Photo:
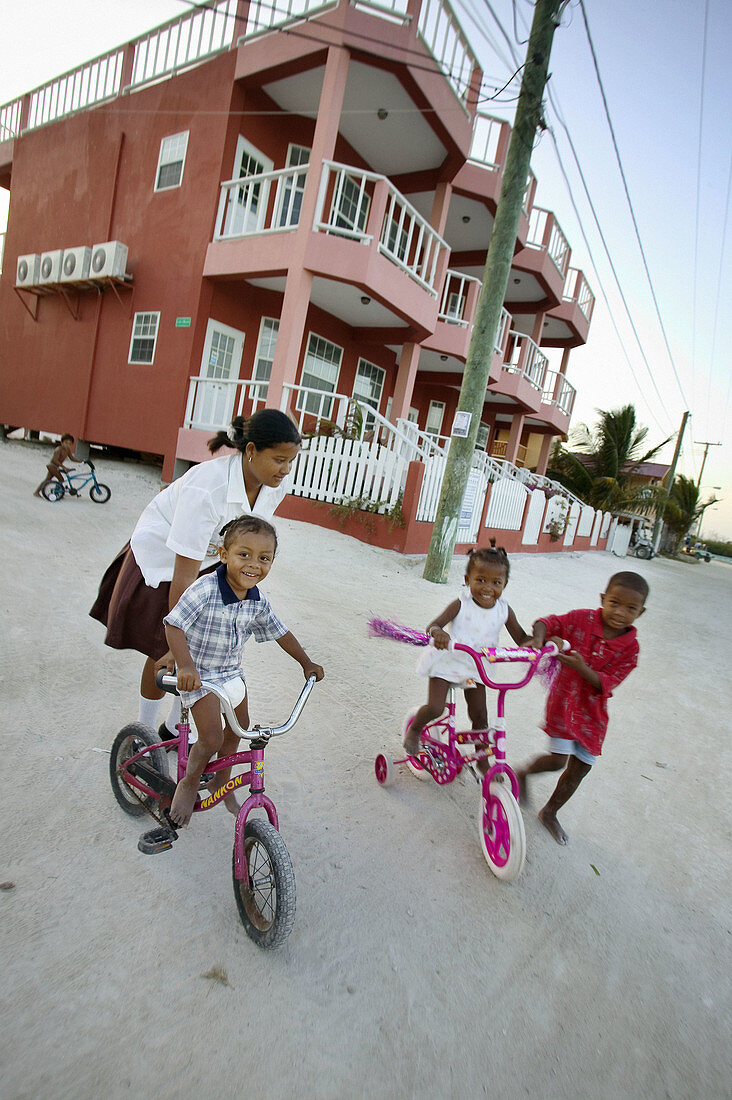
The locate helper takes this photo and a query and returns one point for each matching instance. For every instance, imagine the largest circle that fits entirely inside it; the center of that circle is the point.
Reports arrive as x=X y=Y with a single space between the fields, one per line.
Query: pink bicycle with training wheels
x=264 y=881
x=500 y=824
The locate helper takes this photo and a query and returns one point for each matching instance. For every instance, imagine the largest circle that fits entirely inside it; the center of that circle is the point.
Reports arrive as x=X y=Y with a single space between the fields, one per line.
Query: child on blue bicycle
x=206 y=632
x=475 y=619
x=63 y=452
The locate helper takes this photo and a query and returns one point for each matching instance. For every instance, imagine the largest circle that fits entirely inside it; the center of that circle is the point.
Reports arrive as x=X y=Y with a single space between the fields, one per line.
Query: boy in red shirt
x=603 y=650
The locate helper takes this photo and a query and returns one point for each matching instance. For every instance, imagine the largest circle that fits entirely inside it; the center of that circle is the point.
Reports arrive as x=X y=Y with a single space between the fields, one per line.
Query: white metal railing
x=453 y=307
x=404 y=236
x=528 y=193
x=504 y=327
x=212 y=402
x=527 y=359
x=545 y=232
x=558 y=391
x=577 y=289
x=393 y=10
x=10 y=119
x=183 y=41
x=264 y=15
x=245 y=209
x=85 y=86
x=490 y=138
x=447 y=42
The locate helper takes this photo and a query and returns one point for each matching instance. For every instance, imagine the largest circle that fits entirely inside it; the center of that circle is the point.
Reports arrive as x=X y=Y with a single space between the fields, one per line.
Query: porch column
x=299 y=281
x=544 y=452
x=440 y=207
x=514 y=437
x=538 y=328
x=404 y=387
x=565 y=361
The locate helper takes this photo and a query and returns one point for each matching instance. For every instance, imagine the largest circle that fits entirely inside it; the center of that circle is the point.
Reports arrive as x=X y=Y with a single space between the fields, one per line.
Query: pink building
x=290 y=207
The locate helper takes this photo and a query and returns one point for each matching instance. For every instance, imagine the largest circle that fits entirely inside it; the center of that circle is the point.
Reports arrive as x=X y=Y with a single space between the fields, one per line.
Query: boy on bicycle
x=56 y=469
x=603 y=651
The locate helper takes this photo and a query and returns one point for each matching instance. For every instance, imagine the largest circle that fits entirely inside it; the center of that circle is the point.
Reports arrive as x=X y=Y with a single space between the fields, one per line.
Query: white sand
x=411 y=971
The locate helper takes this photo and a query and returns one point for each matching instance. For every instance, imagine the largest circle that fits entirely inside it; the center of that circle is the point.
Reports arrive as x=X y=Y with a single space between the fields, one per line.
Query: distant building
x=249 y=206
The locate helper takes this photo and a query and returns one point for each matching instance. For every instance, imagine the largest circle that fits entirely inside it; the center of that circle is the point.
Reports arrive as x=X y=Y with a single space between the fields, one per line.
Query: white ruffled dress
x=474 y=626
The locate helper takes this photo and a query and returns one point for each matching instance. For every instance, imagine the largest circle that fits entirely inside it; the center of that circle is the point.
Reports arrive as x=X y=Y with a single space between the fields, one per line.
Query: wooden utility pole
x=493 y=292
x=669 y=482
x=706 y=447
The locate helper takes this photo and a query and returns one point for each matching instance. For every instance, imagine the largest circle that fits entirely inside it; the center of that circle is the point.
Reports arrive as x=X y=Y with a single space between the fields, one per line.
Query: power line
x=630 y=204
x=698 y=196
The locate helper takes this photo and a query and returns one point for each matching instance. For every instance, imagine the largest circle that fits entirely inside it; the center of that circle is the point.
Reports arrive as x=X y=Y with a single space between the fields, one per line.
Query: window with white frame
x=144 y=337
x=350 y=204
x=171 y=161
x=368 y=387
x=292 y=187
x=264 y=356
x=319 y=372
x=481 y=441
x=434 y=417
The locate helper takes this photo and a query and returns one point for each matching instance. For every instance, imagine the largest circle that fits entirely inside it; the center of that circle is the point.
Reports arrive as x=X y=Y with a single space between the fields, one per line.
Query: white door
x=247 y=206
x=216 y=393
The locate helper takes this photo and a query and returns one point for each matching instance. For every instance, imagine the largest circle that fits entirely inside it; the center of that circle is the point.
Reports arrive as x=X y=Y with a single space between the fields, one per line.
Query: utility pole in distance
x=706 y=447
x=669 y=484
x=493 y=291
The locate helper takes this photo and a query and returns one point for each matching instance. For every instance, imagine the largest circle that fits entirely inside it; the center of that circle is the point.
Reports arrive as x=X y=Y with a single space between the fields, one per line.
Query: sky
x=664 y=66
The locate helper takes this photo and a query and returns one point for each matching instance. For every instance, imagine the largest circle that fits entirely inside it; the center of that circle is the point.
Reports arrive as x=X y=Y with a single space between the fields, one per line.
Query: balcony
x=364 y=233
x=569 y=323
x=547 y=252
x=557 y=401
x=455 y=318
x=522 y=372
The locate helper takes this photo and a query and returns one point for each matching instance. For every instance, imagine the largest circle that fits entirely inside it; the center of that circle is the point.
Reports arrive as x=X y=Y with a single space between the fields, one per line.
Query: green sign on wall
x=182 y=322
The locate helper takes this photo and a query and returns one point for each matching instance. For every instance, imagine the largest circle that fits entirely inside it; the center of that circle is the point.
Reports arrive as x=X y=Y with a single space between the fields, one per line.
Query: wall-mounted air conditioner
x=75 y=264
x=51 y=266
x=26 y=273
x=108 y=259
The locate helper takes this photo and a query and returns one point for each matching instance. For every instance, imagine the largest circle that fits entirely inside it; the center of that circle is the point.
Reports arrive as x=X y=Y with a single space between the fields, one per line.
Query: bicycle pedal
x=157 y=840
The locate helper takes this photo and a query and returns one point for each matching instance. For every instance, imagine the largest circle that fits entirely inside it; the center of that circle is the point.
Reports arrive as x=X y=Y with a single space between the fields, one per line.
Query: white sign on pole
x=461 y=424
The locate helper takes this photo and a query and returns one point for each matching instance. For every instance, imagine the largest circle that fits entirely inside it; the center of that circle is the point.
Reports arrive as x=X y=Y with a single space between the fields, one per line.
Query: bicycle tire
x=52 y=490
x=100 y=493
x=501 y=830
x=266 y=900
x=129 y=741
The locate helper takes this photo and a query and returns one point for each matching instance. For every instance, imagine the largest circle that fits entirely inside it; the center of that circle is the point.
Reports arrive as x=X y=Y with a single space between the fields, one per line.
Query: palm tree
x=601 y=467
x=684 y=508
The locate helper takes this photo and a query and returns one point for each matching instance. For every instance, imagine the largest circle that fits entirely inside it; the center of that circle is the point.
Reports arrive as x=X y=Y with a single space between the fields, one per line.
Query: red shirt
x=575 y=710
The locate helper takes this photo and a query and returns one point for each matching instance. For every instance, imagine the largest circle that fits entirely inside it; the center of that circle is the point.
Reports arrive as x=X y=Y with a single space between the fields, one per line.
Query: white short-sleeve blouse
x=186 y=517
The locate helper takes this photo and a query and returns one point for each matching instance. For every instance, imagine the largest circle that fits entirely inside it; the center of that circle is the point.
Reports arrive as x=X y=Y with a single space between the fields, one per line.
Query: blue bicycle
x=74 y=483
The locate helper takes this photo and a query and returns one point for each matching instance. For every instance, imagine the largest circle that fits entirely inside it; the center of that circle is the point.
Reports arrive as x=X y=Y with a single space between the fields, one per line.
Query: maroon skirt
x=132 y=611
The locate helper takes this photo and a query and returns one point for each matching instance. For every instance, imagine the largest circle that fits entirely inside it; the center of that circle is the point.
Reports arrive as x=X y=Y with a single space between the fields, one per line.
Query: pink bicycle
x=500 y=824
x=264 y=881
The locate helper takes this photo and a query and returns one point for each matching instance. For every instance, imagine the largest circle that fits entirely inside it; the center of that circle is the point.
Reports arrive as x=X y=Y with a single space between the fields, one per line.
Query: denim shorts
x=571 y=748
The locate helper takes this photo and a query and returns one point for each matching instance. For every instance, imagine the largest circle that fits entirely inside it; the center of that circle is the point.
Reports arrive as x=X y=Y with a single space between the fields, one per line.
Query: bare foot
x=184 y=800
x=549 y=821
x=412 y=743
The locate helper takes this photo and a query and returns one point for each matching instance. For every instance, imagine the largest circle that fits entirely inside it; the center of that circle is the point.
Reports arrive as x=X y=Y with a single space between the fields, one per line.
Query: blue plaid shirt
x=217 y=623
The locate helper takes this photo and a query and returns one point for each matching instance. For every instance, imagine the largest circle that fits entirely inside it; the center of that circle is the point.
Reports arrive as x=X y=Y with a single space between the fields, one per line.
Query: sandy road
x=411 y=971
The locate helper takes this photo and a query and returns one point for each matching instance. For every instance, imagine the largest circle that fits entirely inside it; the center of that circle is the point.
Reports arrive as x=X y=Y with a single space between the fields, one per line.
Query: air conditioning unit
x=51 y=266
x=75 y=264
x=26 y=273
x=108 y=259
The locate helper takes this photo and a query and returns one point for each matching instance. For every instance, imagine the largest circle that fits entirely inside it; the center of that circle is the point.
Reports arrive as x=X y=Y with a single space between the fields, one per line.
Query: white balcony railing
x=354 y=200
x=577 y=289
x=264 y=15
x=558 y=391
x=245 y=209
x=490 y=141
x=504 y=327
x=447 y=42
x=545 y=232
x=526 y=359
x=212 y=402
x=455 y=307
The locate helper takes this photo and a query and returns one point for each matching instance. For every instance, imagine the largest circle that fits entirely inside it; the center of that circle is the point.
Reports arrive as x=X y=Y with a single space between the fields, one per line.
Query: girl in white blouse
x=177 y=538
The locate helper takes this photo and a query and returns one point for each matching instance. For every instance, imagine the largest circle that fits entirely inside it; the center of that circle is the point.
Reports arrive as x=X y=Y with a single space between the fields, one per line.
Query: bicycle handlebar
x=168 y=682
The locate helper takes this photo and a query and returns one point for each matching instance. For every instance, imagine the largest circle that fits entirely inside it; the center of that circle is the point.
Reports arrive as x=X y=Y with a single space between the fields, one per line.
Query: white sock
x=174 y=717
x=148 y=713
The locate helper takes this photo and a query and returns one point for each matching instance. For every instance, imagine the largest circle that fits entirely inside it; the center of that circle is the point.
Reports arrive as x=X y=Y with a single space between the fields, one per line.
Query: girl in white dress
x=475 y=619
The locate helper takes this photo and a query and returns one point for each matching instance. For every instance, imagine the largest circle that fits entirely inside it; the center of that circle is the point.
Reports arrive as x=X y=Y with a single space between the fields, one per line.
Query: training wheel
x=384 y=770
